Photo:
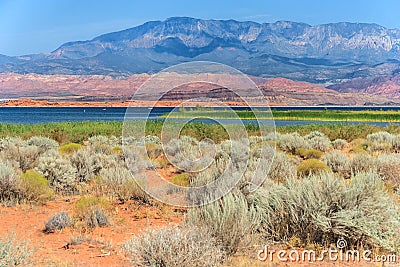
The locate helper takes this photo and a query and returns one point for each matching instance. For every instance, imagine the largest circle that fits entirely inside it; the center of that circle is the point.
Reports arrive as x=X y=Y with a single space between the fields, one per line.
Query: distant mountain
x=388 y=86
x=327 y=53
x=105 y=88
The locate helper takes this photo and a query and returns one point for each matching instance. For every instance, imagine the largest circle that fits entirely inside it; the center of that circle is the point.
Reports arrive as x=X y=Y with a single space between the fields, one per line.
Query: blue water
x=31 y=115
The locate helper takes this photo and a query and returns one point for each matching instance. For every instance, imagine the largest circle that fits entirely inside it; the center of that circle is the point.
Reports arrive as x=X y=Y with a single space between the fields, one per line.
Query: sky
x=40 y=26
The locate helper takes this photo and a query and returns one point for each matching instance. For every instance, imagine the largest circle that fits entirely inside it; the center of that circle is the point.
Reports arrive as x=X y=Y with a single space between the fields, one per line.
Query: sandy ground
x=98 y=247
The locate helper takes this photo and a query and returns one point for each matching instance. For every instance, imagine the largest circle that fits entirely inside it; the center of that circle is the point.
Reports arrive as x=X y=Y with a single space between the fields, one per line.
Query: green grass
x=62 y=132
x=318 y=115
x=77 y=132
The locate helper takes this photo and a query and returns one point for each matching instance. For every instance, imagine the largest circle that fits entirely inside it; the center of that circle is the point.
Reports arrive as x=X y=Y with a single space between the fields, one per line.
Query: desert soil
x=82 y=247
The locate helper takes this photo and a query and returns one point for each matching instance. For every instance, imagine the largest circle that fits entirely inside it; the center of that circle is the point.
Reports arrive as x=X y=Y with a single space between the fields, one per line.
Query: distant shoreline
x=127 y=103
x=31 y=103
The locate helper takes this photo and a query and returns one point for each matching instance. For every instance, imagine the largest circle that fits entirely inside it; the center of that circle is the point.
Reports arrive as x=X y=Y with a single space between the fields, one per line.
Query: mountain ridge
x=326 y=54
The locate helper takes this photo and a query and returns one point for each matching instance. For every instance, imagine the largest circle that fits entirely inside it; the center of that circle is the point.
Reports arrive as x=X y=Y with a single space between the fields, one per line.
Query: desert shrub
x=92 y=211
x=289 y=142
x=87 y=166
x=229 y=220
x=97 y=139
x=7 y=142
x=174 y=246
x=314 y=134
x=321 y=208
x=282 y=168
x=318 y=141
x=339 y=143
x=17 y=152
x=89 y=163
x=28 y=157
x=135 y=159
x=375 y=146
x=35 y=187
x=379 y=141
x=118 y=183
x=161 y=163
x=338 y=163
x=43 y=143
x=69 y=148
x=58 y=222
x=358 y=146
x=388 y=167
x=311 y=166
x=14 y=252
x=151 y=139
x=117 y=150
x=59 y=172
x=154 y=150
x=308 y=153
x=10 y=185
x=396 y=143
x=238 y=150
x=362 y=162
x=128 y=140
x=100 y=144
x=181 y=179
x=380 y=137
x=188 y=154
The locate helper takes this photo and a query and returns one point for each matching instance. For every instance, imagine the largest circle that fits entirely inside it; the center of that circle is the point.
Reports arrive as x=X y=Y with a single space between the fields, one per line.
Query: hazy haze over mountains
x=326 y=54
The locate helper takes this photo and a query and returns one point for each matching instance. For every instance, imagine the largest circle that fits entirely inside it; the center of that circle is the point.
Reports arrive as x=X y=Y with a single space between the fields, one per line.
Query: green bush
x=181 y=179
x=311 y=166
x=35 y=187
x=173 y=246
x=69 y=148
x=92 y=211
x=14 y=252
x=308 y=153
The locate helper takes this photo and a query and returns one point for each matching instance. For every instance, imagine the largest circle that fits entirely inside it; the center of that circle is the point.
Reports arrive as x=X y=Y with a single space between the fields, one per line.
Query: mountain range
x=325 y=53
x=341 y=56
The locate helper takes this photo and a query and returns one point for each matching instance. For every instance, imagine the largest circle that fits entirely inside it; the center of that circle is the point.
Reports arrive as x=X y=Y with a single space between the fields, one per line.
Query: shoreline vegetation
x=300 y=115
x=77 y=132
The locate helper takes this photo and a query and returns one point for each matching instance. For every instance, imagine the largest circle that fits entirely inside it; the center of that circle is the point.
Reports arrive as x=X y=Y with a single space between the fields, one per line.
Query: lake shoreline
x=31 y=103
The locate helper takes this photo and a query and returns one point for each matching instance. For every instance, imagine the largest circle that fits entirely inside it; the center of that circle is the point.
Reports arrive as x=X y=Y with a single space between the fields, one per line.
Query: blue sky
x=33 y=26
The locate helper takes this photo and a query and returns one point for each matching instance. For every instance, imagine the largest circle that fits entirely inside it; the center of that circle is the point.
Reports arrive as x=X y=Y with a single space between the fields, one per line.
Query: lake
x=31 y=115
